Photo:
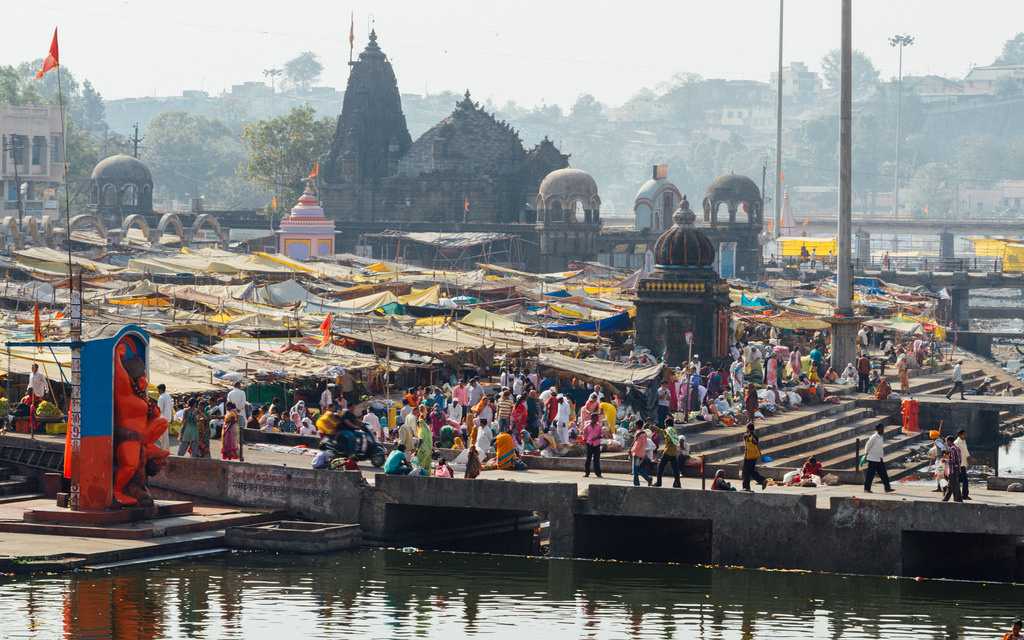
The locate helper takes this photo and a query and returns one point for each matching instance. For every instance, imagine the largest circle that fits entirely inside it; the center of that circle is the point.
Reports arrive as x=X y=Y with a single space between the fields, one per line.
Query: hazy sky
x=530 y=51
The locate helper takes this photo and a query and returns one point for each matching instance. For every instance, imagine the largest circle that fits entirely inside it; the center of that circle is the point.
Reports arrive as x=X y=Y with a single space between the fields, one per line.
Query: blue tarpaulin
x=757 y=302
x=561 y=293
x=611 y=324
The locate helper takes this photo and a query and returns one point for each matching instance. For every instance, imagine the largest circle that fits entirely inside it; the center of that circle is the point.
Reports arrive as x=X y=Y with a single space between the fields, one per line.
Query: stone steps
x=782 y=440
x=844 y=454
x=833 y=446
x=711 y=439
x=13 y=484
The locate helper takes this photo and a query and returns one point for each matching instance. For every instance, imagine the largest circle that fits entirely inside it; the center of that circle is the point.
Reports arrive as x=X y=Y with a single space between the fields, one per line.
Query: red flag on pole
x=37 y=324
x=465 y=204
x=52 y=60
x=315 y=172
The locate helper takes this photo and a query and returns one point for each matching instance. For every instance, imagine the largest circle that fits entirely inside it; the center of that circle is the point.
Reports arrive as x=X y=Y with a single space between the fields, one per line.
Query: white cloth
x=961 y=444
x=326 y=399
x=237 y=398
x=875 y=448
x=562 y=415
x=165 y=403
x=37 y=384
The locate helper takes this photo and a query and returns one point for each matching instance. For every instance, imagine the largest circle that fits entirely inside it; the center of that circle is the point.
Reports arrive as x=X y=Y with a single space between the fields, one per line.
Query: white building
x=32 y=139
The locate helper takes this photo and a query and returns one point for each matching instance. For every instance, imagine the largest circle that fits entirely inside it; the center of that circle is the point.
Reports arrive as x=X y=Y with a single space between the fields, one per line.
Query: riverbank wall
x=852 y=535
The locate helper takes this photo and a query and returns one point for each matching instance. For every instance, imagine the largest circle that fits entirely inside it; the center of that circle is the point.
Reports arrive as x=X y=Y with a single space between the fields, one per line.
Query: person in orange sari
x=505 y=452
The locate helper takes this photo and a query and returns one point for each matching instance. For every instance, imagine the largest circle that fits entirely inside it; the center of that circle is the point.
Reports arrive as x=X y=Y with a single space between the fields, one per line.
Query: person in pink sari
x=795 y=367
x=773 y=372
x=229 y=436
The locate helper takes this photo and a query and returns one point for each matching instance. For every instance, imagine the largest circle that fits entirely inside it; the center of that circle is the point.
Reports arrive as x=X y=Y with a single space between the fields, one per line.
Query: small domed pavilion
x=683 y=295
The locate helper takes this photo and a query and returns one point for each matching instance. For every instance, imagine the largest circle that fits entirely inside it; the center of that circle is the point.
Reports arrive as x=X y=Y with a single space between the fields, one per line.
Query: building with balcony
x=32 y=155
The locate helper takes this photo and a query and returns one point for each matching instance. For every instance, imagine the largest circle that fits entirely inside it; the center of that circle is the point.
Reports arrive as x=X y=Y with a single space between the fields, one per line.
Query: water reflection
x=388 y=594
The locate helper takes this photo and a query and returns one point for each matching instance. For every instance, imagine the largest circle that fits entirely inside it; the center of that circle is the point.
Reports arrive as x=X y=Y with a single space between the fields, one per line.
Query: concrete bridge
x=886 y=223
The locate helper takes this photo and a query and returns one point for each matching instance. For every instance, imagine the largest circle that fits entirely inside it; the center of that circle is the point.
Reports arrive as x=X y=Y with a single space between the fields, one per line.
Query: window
x=38 y=151
x=56 y=149
x=12 y=191
x=128 y=196
x=109 y=195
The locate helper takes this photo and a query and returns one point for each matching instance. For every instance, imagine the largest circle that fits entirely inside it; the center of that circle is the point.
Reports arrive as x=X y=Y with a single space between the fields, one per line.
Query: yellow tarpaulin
x=792 y=245
x=488 y=320
x=421 y=297
x=1013 y=258
x=988 y=247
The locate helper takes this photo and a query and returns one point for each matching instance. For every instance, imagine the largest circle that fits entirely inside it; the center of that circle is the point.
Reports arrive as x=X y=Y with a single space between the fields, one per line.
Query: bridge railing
x=975 y=264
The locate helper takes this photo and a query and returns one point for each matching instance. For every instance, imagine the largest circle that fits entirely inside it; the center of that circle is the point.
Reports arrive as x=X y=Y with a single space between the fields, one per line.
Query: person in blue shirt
x=397 y=464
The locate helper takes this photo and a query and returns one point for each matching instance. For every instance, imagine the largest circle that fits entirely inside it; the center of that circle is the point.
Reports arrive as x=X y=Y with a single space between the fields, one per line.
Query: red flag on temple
x=465 y=204
x=315 y=172
x=52 y=60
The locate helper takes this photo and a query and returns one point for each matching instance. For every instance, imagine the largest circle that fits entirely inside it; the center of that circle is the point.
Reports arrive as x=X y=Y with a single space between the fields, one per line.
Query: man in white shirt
x=958 y=380
x=874 y=452
x=372 y=423
x=475 y=392
x=165 y=403
x=961 y=443
x=237 y=397
x=37 y=388
x=517 y=385
x=326 y=398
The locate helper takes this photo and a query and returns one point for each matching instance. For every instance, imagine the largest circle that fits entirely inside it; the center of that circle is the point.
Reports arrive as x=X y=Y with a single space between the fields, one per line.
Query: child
x=443 y=470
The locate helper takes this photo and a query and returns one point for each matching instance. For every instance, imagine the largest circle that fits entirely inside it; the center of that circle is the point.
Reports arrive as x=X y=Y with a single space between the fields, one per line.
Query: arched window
x=129 y=197
x=109 y=195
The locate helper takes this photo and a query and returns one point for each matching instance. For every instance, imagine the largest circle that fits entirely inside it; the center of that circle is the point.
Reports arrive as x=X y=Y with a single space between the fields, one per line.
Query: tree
x=865 y=75
x=587 y=108
x=282 y=150
x=187 y=153
x=932 y=190
x=303 y=70
x=92 y=114
x=1013 y=51
x=15 y=91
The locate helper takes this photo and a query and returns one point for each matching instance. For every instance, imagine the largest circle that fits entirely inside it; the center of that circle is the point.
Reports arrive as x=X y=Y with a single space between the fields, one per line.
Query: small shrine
x=306 y=233
x=682 y=306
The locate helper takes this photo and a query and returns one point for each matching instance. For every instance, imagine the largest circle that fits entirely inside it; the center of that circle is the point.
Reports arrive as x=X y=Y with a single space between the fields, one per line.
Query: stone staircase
x=14 y=487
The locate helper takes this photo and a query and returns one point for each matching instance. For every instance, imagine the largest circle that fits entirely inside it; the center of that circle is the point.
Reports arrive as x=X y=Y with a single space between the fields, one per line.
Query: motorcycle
x=360 y=443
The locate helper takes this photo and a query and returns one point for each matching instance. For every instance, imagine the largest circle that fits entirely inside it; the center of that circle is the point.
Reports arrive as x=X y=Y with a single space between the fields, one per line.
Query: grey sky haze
x=530 y=51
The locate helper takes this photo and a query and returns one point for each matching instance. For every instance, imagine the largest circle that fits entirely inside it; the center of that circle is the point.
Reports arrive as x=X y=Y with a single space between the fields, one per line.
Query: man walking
x=863 y=371
x=751 y=454
x=961 y=444
x=237 y=397
x=165 y=403
x=874 y=452
x=953 y=465
x=958 y=380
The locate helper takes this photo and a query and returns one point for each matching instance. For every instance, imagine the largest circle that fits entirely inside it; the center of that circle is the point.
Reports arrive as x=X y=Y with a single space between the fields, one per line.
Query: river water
x=394 y=594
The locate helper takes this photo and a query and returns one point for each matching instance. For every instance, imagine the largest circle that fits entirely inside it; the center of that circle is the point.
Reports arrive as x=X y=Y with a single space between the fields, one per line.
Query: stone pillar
x=959 y=308
x=844 y=341
x=562 y=533
x=863 y=249
x=947 y=250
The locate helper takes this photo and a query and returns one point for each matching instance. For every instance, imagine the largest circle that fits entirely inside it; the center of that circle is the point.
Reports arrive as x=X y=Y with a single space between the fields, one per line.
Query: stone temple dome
x=682 y=244
x=568 y=185
x=122 y=168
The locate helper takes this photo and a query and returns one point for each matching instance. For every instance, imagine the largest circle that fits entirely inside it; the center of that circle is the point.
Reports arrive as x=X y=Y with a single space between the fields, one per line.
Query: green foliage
x=281 y=150
x=188 y=154
x=303 y=70
x=932 y=190
x=1013 y=51
x=865 y=75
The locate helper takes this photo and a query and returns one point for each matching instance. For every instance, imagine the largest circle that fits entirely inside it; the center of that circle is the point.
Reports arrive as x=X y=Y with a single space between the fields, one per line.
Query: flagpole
x=75 y=304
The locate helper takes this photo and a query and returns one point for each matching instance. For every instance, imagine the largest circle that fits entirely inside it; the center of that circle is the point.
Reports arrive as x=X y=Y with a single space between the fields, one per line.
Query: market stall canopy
x=595 y=370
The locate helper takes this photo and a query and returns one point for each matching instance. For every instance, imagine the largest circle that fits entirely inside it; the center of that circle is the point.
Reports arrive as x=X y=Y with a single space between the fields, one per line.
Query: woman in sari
x=188 y=439
x=203 y=425
x=473 y=463
x=520 y=418
x=773 y=371
x=229 y=439
x=505 y=447
x=426 y=446
x=795 y=366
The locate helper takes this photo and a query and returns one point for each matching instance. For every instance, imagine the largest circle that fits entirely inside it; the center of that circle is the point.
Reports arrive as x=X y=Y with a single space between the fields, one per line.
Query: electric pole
x=899 y=41
x=778 y=137
x=135 y=140
x=16 y=147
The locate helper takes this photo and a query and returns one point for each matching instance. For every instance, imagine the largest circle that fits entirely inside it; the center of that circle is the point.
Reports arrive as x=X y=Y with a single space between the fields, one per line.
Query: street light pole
x=778 y=137
x=899 y=41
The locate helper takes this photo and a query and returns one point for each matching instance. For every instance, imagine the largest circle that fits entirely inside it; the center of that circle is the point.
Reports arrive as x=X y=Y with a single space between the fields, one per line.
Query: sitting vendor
x=397 y=464
x=812 y=468
x=720 y=483
x=883 y=390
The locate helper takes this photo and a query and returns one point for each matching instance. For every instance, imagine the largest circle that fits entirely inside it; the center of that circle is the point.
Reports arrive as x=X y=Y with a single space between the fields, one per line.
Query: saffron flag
x=273 y=203
x=325 y=329
x=315 y=172
x=52 y=60
x=465 y=204
x=37 y=324
x=352 y=33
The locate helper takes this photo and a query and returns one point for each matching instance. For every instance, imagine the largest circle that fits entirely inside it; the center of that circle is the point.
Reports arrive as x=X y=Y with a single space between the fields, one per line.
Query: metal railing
x=974 y=264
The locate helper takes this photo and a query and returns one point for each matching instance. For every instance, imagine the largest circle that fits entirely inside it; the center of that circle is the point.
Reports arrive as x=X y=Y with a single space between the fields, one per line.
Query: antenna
x=135 y=140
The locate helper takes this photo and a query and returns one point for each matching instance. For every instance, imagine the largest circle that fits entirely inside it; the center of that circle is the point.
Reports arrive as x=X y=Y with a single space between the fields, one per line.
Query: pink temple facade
x=306 y=233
